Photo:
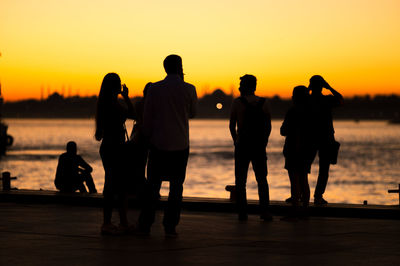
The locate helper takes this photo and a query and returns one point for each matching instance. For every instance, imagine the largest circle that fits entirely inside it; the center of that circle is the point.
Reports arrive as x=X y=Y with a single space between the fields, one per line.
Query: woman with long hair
x=297 y=149
x=110 y=130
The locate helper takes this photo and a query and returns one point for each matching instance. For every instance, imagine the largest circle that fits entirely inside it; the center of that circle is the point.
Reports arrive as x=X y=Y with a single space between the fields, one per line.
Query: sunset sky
x=68 y=46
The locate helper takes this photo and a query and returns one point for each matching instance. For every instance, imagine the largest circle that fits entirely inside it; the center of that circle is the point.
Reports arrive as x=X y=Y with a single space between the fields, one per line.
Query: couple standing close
x=308 y=128
x=168 y=106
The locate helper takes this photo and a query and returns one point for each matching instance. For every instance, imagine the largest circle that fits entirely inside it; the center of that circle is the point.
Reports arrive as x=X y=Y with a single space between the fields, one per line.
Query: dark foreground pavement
x=69 y=235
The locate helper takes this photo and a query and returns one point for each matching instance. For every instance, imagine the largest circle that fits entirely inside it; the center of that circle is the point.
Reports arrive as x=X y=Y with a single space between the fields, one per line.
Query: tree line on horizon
x=214 y=105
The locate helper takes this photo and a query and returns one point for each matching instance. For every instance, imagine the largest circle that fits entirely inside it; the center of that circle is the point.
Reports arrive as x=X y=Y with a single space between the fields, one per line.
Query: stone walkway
x=50 y=234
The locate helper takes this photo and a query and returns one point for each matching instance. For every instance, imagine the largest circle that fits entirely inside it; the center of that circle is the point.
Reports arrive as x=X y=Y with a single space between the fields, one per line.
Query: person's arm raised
x=131 y=110
x=334 y=93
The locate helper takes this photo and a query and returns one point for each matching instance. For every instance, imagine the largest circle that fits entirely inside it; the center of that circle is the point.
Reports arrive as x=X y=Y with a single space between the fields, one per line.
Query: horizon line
x=205 y=94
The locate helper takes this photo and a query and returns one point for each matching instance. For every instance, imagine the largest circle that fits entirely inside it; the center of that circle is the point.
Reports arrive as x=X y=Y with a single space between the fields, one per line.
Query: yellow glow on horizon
x=69 y=46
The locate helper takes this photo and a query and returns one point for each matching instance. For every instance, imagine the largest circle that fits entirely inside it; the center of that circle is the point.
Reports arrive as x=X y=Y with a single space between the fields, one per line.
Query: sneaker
x=170 y=233
x=266 y=216
x=292 y=201
x=320 y=201
x=108 y=229
x=289 y=200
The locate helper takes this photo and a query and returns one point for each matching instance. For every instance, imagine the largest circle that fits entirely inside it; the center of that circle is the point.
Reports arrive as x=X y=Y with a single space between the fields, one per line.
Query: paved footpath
x=49 y=234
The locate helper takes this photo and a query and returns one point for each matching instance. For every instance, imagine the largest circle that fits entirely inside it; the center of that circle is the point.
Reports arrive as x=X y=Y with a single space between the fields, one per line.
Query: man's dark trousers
x=258 y=158
x=324 y=149
x=164 y=165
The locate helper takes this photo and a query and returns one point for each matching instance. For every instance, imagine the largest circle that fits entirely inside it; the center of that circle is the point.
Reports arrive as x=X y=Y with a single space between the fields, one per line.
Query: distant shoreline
x=204 y=118
x=380 y=107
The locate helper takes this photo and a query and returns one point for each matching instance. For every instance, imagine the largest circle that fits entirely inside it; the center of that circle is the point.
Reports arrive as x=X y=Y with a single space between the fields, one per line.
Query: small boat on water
x=5 y=139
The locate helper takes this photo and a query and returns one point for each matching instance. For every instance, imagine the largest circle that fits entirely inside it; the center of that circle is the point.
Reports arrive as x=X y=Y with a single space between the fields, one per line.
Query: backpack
x=254 y=129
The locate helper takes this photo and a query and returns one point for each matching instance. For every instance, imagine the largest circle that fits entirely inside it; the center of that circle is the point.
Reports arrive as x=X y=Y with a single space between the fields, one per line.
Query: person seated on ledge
x=73 y=171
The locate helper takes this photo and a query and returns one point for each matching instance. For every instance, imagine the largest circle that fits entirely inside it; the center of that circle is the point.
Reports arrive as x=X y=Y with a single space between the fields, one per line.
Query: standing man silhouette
x=250 y=127
x=323 y=131
x=168 y=106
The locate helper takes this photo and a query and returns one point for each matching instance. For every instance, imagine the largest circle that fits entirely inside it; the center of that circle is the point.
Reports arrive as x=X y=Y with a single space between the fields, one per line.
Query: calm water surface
x=368 y=162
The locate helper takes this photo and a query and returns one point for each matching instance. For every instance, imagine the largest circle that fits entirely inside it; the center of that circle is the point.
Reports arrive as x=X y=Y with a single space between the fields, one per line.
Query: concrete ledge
x=204 y=204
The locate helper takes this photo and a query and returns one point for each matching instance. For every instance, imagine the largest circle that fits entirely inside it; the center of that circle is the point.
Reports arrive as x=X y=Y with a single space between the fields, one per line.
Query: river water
x=368 y=164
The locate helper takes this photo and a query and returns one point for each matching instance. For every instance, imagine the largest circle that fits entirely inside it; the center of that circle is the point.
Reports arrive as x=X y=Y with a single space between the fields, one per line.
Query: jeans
x=258 y=158
x=324 y=149
x=164 y=165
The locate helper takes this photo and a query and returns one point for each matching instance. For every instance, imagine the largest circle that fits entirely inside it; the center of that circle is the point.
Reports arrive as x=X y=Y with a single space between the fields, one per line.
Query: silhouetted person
x=298 y=146
x=137 y=134
x=73 y=172
x=168 y=106
x=139 y=146
x=250 y=127
x=110 y=129
x=137 y=151
x=323 y=131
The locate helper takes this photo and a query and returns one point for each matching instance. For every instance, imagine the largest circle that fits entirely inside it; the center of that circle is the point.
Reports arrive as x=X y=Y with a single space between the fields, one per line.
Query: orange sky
x=68 y=46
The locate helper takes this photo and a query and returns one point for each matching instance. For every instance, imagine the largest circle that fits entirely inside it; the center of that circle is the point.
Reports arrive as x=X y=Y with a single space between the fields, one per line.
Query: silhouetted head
x=300 y=94
x=111 y=86
x=316 y=84
x=248 y=84
x=146 y=89
x=173 y=65
x=109 y=90
x=71 y=147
